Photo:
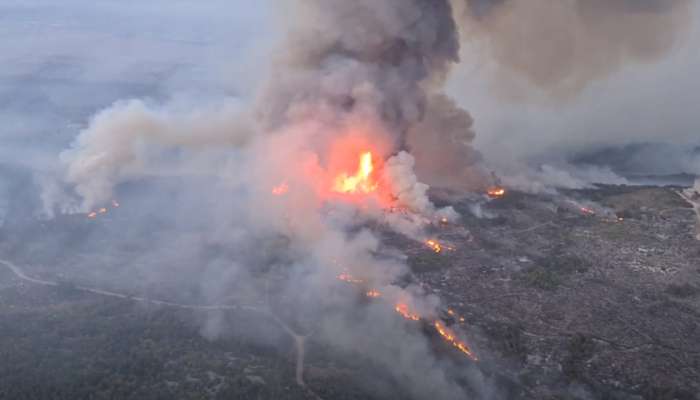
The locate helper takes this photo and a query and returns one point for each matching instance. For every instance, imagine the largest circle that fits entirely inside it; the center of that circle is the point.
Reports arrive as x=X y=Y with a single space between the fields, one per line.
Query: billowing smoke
x=561 y=46
x=115 y=147
x=573 y=92
x=352 y=106
x=383 y=62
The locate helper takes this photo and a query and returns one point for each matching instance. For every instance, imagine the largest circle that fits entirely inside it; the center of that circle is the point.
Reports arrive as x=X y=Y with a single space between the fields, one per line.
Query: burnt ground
x=579 y=303
x=558 y=304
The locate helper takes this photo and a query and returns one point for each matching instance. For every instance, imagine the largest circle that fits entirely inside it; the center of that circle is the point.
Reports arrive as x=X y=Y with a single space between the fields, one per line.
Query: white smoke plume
x=115 y=146
x=547 y=178
x=692 y=196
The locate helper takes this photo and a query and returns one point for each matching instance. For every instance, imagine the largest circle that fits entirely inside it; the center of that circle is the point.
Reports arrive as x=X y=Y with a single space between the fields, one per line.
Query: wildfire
x=453 y=314
x=496 y=192
x=436 y=246
x=346 y=277
x=101 y=210
x=403 y=310
x=280 y=189
x=451 y=338
x=362 y=180
x=587 y=211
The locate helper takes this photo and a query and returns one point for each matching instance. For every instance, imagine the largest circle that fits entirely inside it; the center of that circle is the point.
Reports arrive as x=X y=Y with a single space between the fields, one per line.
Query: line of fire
x=364 y=181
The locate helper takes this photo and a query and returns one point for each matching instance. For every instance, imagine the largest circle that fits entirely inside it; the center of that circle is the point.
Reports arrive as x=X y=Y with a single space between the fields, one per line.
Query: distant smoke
x=561 y=46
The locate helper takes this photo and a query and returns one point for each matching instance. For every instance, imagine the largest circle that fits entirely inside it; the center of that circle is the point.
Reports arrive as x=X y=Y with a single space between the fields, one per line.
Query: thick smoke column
x=561 y=46
x=379 y=61
x=354 y=77
x=375 y=66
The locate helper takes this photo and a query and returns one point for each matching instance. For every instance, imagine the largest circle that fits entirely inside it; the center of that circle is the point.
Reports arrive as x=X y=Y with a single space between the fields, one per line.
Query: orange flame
x=496 y=192
x=280 y=189
x=437 y=246
x=361 y=181
x=102 y=210
x=434 y=245
x=402 y=309
x=451 y=338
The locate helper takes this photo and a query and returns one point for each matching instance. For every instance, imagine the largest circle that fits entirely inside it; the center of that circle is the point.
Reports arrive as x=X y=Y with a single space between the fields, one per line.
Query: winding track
x=299 y=340
x=22 y=275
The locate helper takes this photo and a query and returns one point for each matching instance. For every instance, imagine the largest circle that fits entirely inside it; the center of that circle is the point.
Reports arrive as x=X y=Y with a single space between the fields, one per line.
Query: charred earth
x=586 y=294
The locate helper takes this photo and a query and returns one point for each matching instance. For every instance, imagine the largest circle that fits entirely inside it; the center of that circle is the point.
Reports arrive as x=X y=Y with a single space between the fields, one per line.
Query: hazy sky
x=61 y=62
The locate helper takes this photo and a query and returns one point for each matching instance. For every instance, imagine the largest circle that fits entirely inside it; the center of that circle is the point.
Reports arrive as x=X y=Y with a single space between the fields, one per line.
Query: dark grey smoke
x=382 y=61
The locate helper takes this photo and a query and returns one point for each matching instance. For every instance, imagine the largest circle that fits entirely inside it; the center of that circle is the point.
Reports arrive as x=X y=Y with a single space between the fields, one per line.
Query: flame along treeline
x=404 y=311
x=364 y=182
x=102 y=210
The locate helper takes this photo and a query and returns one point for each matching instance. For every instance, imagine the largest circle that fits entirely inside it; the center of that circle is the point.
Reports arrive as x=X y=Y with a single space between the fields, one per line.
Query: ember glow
x=451 y=338
x=345 y=277
x=102 y=210
x=373 y=294
x=496 y=192
x=362 y=181
x=280 y=189
x=587 y=211
x=435 y=246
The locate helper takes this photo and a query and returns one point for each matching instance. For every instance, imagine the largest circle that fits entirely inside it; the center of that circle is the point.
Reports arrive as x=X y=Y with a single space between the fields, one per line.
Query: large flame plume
x=362 y=181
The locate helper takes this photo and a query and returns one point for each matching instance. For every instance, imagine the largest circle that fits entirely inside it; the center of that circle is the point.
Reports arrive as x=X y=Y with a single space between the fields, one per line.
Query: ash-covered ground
x=588 y=294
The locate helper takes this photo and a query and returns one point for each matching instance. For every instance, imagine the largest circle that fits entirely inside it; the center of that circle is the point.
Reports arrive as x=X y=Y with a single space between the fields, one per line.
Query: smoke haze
x=350 y=77
x=191 y=116
x=586 y=107
x=562 y=46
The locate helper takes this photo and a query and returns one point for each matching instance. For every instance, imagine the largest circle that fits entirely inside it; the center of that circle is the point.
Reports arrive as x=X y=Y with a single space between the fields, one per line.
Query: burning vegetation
x=407 y=313
x=496 y=192
x=281 y=189
x=362 y=181
x=102 y=210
